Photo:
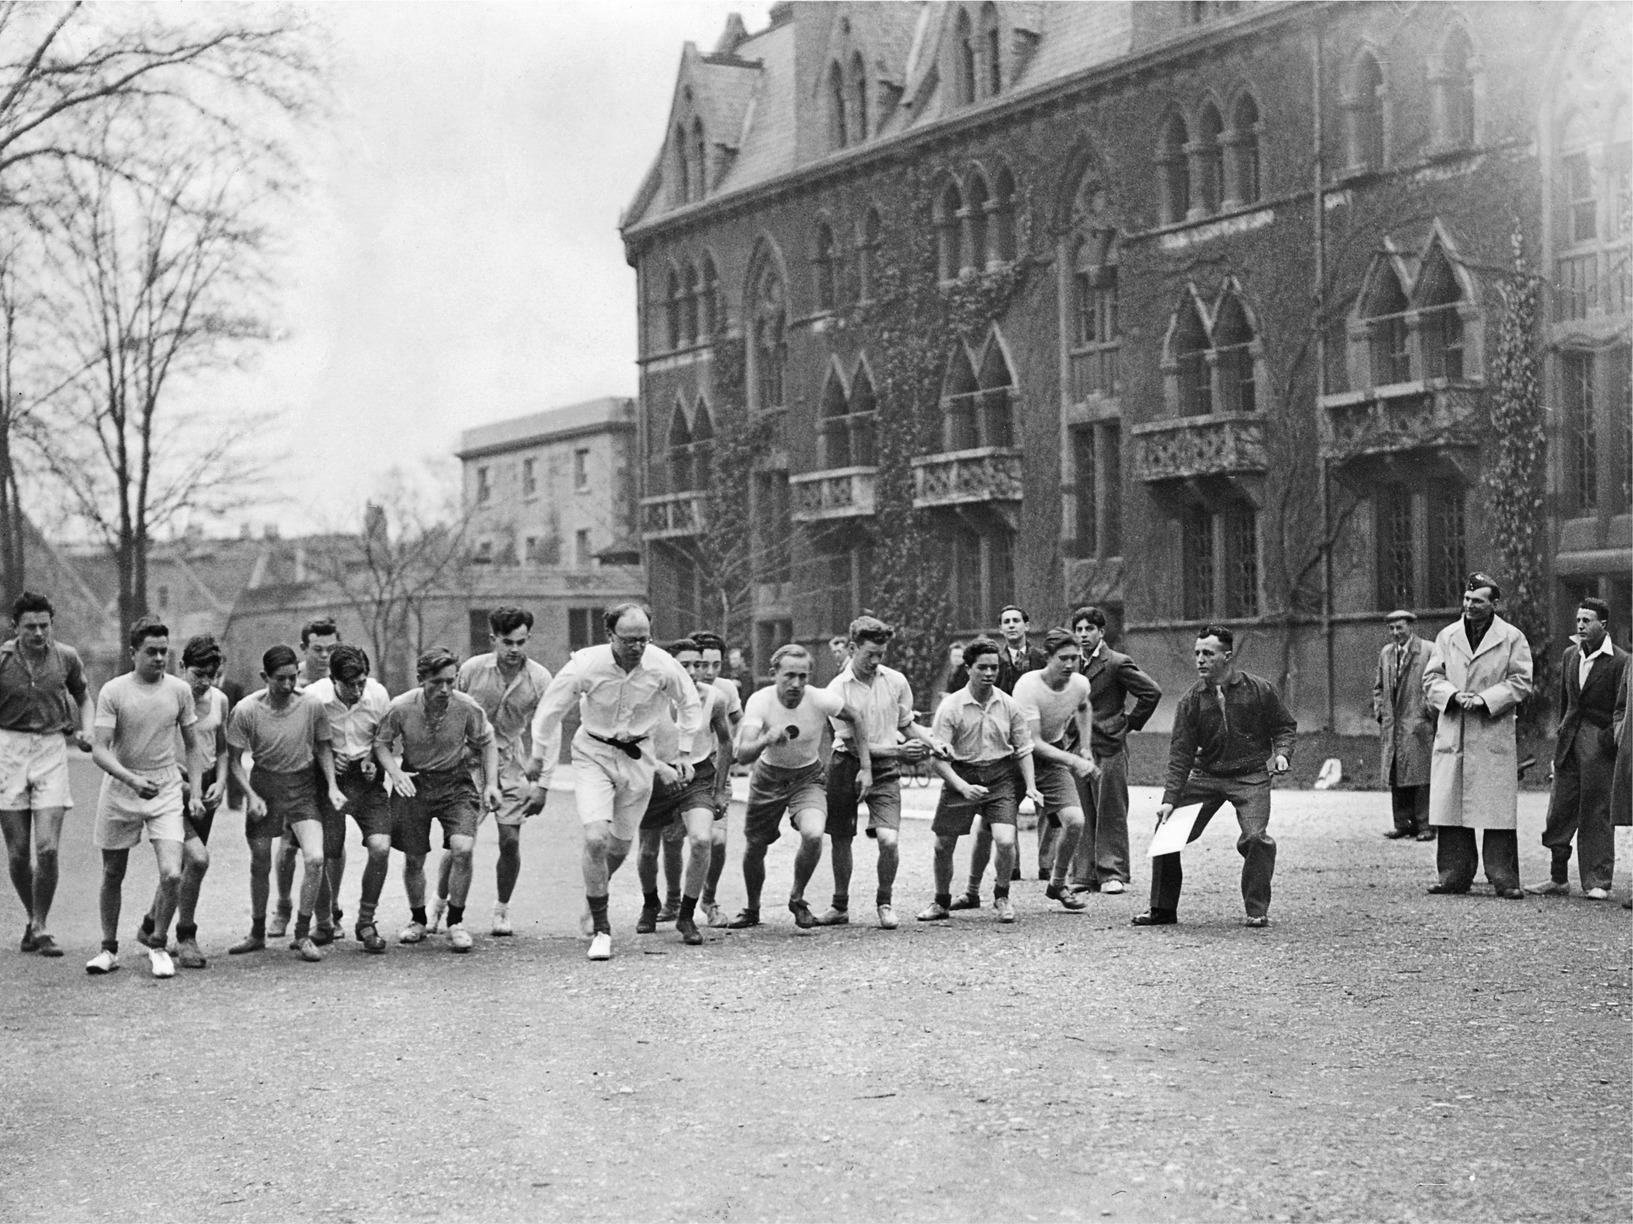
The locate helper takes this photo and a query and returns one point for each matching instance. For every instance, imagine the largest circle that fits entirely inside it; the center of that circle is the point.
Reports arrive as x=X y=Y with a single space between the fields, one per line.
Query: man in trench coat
x=1407 y=726
x=1478 y=673
x=1621 y=789
x=1590 y=683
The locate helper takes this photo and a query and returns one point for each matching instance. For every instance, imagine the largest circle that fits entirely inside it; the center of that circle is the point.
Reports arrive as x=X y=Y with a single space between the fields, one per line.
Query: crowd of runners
x=323 y=746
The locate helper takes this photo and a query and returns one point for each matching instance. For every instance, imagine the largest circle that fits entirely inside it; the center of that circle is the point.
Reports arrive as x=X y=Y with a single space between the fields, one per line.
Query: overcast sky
x=460 y=260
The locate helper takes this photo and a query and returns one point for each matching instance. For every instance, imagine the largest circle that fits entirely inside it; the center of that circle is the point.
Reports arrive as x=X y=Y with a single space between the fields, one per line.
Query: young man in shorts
x=286 y=732
x=44 y=703
x=713 y=648
x=990 y=747
x=437 y=727
x=1054 y=700
x=507 y=685
x=138 y=716
x=319 y=638
x=781 y=736
x=885 y=701
x=200 y=665
x=624 y=689
x=354 y=704
x=695 y=806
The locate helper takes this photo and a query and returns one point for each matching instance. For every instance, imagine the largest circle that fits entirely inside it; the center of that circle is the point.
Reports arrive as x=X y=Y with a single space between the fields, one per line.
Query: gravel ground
x=1377 y=1054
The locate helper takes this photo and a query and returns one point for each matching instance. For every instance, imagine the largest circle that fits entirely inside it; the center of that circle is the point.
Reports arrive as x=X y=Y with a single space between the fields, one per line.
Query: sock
x=147 y=924
x=285 y=908
x=417 y=914
x=598 y=913
x=842 y=902
x=1000 y=891
x=456 y=915
x=365 y=914
x=501 y=907
x=672 y=898
x=257 y=929
x=110 y=945
x=650 y=900
x=337 y=916
x=688 y=906
x=944 y=899
x=186 y=931
x=303 y=926
x=883 y=896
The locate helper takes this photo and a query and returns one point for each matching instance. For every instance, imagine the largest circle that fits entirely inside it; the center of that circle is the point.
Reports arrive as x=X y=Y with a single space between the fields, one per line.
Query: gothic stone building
x=1198 y=311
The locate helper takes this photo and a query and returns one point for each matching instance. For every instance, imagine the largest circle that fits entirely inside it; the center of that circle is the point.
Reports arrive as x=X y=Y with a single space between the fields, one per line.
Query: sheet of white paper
x=1175 y=832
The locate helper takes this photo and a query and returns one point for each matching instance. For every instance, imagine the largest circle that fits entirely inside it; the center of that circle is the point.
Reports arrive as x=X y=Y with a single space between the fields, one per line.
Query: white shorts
x=607 y=785
x=33 y=771
x=122 y=814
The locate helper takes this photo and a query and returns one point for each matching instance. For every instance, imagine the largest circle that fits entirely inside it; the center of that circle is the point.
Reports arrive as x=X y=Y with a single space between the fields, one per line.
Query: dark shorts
x=290 y=799
x=366 y=803
x=196 y=827
x=955 y=814
x=669 y=803
x=773 y=790
x=884 y=797
x=1058 y=785
x=448 y=797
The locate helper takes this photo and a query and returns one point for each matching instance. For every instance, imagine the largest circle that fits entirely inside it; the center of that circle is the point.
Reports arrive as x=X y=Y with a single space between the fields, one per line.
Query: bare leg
x=260 y=886
x=980 y=855
x=646 y=860
x=889 y=861
x=19 y=857
x=717 y=860
x=374 y=875
x=168 y=854
x=444 y=870
x=841 y=858
x=1071 y=832
x=414 y=879
x=672 y=848
x=945 y=842
x=699 y=845
x=113 y=882
x=1005 y=850
x=754 y=872
x=509 y=868
x=810 y=823
x=334 y=869
x=195 y=856
x=287 y=853
x=47 y=836
x=309 y=836
x=459 y=874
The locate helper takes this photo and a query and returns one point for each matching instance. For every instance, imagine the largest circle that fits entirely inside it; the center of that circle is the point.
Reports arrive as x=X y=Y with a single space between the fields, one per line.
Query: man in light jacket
x=1478 y=673
x=1406 y=723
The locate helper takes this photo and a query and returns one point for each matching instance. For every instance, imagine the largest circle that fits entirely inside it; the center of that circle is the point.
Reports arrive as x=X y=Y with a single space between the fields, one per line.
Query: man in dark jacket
x=1585 y=757
x=1231 y=732
x=1101 y=863
x=1407 y=725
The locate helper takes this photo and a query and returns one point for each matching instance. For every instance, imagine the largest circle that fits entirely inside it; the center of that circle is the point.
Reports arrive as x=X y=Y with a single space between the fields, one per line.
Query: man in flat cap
x=1406 y=723
x=1478 y=673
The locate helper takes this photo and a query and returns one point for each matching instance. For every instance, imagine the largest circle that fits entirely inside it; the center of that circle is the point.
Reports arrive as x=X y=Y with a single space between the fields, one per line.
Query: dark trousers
x=1580 y=807
x=1411 y=807
x=1250 y=796
x=1456 y=857
x=1102 y=853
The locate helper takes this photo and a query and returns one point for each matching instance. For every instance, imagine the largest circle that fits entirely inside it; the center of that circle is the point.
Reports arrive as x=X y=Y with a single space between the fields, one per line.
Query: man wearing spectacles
x=623 y=688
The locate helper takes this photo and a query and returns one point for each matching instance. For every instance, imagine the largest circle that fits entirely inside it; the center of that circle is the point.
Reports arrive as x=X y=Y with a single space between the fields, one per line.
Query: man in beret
x=1406 y=723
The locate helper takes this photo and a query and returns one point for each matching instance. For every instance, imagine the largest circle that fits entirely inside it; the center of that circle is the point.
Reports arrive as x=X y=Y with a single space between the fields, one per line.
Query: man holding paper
x=1231 y=732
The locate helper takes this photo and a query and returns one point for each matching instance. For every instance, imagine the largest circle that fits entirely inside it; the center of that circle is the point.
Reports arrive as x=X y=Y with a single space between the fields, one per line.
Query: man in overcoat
x=1590 y=681
x=1621 y=789
x=1478 y=673
x=1406 y=723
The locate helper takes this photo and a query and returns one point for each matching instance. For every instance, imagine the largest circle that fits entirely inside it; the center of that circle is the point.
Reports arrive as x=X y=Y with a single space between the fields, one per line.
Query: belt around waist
x=984 y=766
x=629 y=747
x=437 y=775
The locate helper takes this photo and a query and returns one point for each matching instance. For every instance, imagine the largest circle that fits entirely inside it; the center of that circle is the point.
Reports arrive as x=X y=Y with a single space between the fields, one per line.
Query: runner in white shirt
x=782 y=734
x=713 y=657
x=1050 y=700
x=355 y=703
x=695 y=807
x=623 y=690
x=137 y=717
x=200 y=665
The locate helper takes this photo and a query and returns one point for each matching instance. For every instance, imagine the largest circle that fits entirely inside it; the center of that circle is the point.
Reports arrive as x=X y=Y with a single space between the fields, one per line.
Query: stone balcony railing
x=671 y=516
x=838 y=493
x=967 y=477
x=1405 y=417
x=1199 y=446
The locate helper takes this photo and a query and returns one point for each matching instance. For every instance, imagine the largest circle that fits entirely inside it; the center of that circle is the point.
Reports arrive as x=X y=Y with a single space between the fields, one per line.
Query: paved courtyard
x=1377 y=1054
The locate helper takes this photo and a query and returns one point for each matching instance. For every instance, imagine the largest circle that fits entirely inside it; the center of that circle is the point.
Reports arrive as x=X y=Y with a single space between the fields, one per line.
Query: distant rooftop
x=591 y=416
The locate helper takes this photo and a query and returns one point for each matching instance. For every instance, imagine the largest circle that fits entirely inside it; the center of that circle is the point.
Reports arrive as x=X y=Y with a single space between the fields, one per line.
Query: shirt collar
x=968 y=698
x=1605 y=648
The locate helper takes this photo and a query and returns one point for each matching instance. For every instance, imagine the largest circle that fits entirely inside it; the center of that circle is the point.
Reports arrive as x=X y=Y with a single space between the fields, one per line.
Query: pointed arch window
x=1581 y=201
x=700 y=161
x=949 y=215
x=826 y=266
x=702 y=446
x=1454 y=92
x=1096 y=329
x=711 y=317
x=997 y=422
x=964 y=48
x=990 y=51
x=681 y=158
x=1191 y=362
x=960 y=403
x=867 y=255
x=1440 y=320
x=1173 y=171
x=837 y=129
x=673 y=309
x=1242 y=146
x=1207 y=179
x=1234 y=358
x=1388 y=335
x=770 y=347
x=864 y=413
x=845 y=435
x=1003 y=216
x=689 y=306
x=680 y=452
x=1364 y=115
x=859 y=98
x=975 y=224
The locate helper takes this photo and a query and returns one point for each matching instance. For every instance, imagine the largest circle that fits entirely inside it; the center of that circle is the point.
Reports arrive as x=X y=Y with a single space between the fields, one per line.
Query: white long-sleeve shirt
x=615 y=704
